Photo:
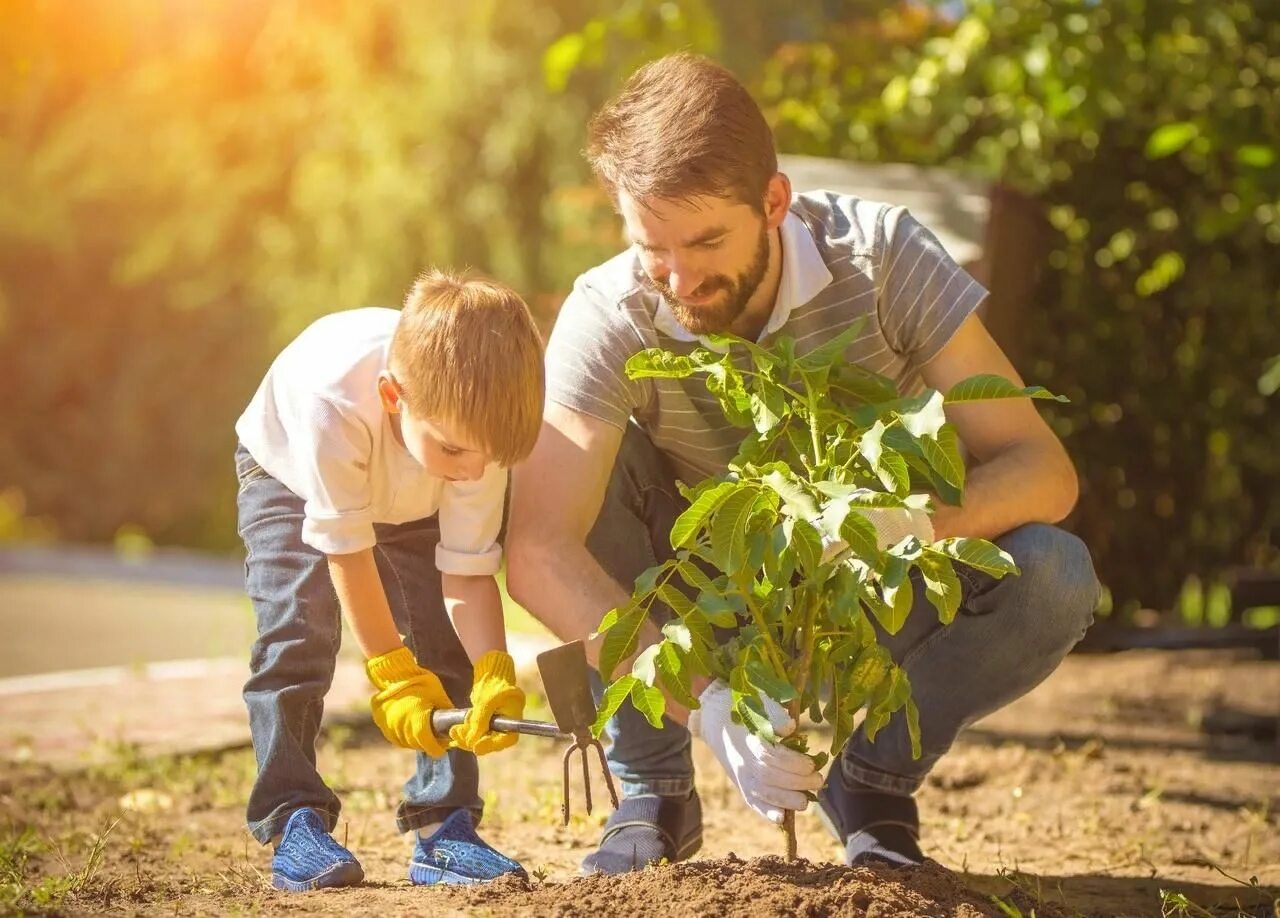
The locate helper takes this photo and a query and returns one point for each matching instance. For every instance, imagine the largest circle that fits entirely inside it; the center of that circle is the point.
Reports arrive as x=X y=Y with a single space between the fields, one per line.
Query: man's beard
x=718 y=316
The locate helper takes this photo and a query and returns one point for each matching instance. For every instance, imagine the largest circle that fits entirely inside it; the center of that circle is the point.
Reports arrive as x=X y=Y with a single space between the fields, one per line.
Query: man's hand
x=892 y=525
x=407 y=694
x=494 y=691
x=770 y=777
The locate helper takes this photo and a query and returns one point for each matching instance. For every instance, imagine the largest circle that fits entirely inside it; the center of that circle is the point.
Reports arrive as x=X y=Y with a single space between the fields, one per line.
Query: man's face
x=706 y=255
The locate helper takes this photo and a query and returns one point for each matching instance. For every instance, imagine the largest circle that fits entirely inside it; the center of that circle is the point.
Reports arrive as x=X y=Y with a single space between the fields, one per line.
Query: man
x=720 y=244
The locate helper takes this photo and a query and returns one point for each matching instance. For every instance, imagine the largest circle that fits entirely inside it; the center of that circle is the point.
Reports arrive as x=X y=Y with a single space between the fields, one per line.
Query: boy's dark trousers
x=299 y=631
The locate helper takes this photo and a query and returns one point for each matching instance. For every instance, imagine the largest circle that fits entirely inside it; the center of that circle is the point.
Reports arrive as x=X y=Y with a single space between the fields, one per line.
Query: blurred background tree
x=189 y=184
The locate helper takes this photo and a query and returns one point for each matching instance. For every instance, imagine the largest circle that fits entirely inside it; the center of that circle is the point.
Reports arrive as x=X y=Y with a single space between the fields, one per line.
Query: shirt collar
x=804 y=275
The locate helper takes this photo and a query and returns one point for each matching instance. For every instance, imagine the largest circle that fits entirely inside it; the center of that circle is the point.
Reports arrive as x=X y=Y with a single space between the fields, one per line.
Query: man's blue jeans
x=292 y=664
x=1009 y=635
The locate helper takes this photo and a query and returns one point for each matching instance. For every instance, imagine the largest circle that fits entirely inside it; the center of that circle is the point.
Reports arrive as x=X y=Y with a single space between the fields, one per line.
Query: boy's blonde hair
x=467 y=352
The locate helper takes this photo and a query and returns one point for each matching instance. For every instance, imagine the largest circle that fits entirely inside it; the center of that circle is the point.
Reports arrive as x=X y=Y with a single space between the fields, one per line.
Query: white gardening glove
x=770 y=777
x=892 y=525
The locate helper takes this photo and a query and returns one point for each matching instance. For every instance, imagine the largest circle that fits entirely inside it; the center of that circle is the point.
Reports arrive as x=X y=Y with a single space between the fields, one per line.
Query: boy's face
x=442 y=449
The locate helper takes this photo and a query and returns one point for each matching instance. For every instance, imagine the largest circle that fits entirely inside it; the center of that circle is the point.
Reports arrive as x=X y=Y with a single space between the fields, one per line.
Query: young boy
x=372 y=469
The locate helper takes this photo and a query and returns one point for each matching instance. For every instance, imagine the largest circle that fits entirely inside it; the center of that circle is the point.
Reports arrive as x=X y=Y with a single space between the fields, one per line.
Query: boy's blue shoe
x=454 y=853
x=308 y=857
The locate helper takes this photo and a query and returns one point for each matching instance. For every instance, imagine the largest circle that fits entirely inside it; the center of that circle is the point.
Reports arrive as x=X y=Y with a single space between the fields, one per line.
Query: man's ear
x=389 y=392
x=777 y=200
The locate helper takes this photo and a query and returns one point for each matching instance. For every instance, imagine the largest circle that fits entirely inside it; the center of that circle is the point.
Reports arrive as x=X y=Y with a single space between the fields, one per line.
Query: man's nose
x=683 y=281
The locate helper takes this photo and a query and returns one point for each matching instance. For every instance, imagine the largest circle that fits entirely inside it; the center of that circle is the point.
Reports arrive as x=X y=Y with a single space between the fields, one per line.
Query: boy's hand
x=407 y=694
x=493 y=692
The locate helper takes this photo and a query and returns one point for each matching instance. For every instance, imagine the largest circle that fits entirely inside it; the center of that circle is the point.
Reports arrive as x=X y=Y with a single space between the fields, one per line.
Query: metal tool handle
x=444 y=718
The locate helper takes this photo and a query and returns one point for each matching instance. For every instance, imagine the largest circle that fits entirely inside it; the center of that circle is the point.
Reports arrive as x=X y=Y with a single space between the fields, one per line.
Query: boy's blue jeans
x=1009 y=635
x=292 y=665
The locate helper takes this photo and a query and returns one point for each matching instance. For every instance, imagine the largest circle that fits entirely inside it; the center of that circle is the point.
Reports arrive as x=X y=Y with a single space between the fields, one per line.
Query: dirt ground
x=1100 y=793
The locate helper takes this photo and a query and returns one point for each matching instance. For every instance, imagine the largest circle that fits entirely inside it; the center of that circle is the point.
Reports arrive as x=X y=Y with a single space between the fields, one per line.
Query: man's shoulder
x=844 y=224
x=613 y=292
x=612 y=283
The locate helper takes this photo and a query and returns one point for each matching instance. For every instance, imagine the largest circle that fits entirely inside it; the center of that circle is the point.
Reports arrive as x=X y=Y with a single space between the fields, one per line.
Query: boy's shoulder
x=337 y=358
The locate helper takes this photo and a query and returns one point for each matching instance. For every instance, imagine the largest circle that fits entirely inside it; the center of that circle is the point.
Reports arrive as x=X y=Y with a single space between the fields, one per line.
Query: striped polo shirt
x=843 y=258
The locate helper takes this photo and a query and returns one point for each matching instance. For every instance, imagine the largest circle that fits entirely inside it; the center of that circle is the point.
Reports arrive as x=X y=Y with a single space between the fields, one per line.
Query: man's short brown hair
x=466 y=351
x=683 y=126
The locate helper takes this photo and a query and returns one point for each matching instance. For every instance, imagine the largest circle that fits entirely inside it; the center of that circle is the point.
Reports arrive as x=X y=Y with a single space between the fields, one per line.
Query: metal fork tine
x=586 y=777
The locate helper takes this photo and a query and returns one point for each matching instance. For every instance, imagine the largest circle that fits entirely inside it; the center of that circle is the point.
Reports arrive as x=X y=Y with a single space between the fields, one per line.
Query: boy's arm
x=475 y=609
x=364 y=602
x=407 y=694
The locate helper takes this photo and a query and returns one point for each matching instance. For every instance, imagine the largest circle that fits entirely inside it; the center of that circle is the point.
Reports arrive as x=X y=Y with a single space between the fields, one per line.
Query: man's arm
x=556 y=496
x=1020 y=473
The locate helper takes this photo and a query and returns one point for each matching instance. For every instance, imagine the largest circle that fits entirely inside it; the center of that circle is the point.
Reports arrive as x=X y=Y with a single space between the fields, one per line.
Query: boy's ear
x=389 y=393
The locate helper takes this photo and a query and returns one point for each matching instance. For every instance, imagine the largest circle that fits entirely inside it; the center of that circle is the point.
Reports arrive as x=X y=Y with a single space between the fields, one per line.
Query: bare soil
x=1098 y=794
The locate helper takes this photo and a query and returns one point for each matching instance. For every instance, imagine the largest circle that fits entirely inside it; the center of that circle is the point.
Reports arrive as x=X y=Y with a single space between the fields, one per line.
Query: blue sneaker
x=454 y=853
x=308 y=857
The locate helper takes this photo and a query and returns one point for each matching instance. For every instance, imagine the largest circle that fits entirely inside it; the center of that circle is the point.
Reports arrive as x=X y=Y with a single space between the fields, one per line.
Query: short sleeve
x=586 y=360
x=924 y=296
x=470 y=521
x=331 y=454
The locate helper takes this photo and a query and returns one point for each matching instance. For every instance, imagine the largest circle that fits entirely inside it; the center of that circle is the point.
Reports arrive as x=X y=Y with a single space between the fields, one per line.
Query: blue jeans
x=1009 y=635
x=293 y=659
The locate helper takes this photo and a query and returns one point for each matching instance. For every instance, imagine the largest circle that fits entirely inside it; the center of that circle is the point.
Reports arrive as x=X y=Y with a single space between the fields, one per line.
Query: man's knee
x=1057 y=584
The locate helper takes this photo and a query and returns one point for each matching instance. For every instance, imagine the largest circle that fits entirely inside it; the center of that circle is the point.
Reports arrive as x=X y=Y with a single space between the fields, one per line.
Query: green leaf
x=1170 y=138
x=674 y=675
x=942 y=586
x=893 y=472
x=927 y=419
x=803 y=540
x=762 y=676
x=719 y=610
x=613 y=697
x=729 y=528
x=695 y=576
x=943 y=455
x=796 y=501
x=987 y=386
x=750 y=710
x=702 y=643
x=1257 y=155
x=898 y=600
x=830 y=351
x=978 y=553
x=675 y=599
x=649 y=702
x=871 y=445
x=913 y=728
x=869 y=670
x=688 y=523
x=656 y=362
x=1269 y=383
x=620 y=641
x=644 y=667
x=857 y=495
x=865 y=386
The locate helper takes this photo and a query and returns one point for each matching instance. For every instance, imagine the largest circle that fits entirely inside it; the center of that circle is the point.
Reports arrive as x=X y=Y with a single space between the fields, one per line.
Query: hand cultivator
x=564 y=678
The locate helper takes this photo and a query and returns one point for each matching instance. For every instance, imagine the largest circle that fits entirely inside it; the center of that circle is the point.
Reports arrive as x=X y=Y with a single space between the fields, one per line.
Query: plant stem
x=808 y=635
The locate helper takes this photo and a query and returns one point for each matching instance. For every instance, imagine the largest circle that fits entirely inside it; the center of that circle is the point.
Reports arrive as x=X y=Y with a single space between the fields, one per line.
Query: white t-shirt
x=316 y=424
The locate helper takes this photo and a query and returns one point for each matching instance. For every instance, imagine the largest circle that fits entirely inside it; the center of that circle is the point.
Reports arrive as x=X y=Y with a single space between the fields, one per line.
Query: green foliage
x=1148 y=131
x=183 y=193
x=777 y=574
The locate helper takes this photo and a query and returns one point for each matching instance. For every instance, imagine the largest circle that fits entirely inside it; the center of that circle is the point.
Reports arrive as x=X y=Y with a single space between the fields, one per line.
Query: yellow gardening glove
x=494 y=691
x=407 y=694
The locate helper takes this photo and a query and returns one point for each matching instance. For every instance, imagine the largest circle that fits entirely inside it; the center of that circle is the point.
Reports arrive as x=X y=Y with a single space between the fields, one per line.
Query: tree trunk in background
x=1015 y=251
